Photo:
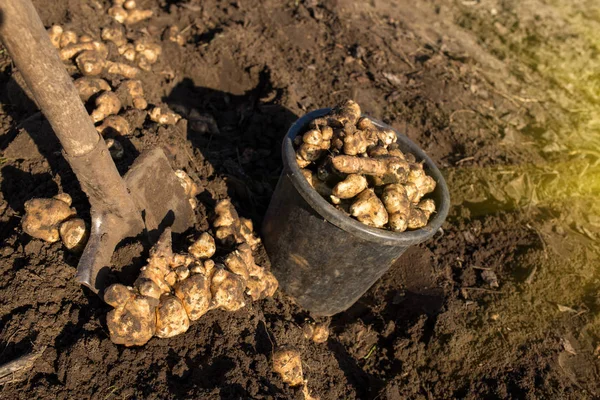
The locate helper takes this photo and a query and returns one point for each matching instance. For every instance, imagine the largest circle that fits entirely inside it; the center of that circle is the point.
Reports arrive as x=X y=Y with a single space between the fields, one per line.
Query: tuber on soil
x=74 y=234
x=203 y=248
x=44 y=216
x=147 y=53
x=70 y=51
x=107 y=103
x=164 y=116
x=358 y=166
x=118 y=13
x=114 y=35
x=127 y=13
x=128 y=51
x=227 y=290
x=171 y=317
x=172 y=34
x=114 y=125
x=67 y=38
x=129 y=5
x=318 y=333
x=194 y=293
x=231 y=229
x=88 y=86
x=134 y=16
x=131 y=94
x=90 y=62
x=288 y=364
x=124 y=70
x=55 y=32
x=133 y=321
x=190 y=188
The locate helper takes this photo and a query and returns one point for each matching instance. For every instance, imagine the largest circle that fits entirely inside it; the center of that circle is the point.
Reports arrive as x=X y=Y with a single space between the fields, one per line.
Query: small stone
x=490 y=278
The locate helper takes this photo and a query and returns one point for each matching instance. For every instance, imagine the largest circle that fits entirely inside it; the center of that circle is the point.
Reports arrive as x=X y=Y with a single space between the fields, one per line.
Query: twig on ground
x=14 y=371
x=477 y=289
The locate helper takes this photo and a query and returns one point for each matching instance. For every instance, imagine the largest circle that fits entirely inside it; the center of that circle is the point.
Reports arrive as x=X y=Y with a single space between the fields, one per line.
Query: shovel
x=149 y=198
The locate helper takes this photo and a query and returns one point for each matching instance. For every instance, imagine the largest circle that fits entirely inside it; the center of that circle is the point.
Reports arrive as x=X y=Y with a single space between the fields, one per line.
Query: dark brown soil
x=484 y=87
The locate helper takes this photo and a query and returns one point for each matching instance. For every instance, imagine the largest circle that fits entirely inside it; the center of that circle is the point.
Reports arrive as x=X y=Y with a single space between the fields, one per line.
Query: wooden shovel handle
x=29 y=46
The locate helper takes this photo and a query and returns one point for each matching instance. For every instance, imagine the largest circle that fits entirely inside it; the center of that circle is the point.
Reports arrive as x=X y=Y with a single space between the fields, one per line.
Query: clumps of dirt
x=358 y=166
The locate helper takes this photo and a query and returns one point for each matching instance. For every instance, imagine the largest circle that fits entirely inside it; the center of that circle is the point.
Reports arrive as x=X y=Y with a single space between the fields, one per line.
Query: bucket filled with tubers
x=353 y=195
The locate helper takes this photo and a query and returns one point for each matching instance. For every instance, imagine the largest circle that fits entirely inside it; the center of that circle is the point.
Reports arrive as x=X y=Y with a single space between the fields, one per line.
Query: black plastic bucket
x=322 y=258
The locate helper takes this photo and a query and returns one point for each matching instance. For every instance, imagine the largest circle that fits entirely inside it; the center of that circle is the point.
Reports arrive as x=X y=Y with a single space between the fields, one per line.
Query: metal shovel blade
x=162 y=201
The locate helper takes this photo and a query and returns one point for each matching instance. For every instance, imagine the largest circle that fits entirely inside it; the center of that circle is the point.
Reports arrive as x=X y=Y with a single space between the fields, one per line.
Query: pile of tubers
x=358 y=166
x=174 y=289
x=120 y=111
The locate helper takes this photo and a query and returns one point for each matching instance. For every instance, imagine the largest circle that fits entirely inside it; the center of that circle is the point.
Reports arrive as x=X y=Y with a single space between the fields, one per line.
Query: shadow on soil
x=240 y=136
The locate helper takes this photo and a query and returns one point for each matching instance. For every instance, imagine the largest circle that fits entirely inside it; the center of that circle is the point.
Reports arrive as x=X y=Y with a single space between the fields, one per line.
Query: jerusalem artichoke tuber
x=44 y=216
x=107 y=103
x=419 y=214
x=129 y=4
x=318 y=333
x=204 y=247
x=131 y=93
x=395 y=199
x=147 y=52
x=190 y=188
x=194 y=293
x=114 y=124
x=124 y=70
x=173 y=34
x=350 y=187
x=70 y=51
x=55 y=32
x=118 y=13
x=133 y=322
x=74 y=234
x=369 y=210
x=230 y=228
x=88 y=86
x=163 y=116
x=348 y=112
x=128 y=51
x=134 y=16
x=288 y=364
x=114 y=35
x=388 y=169
x=90 y=62
x=171 y=317
x=227 y=290
x=67 y=38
